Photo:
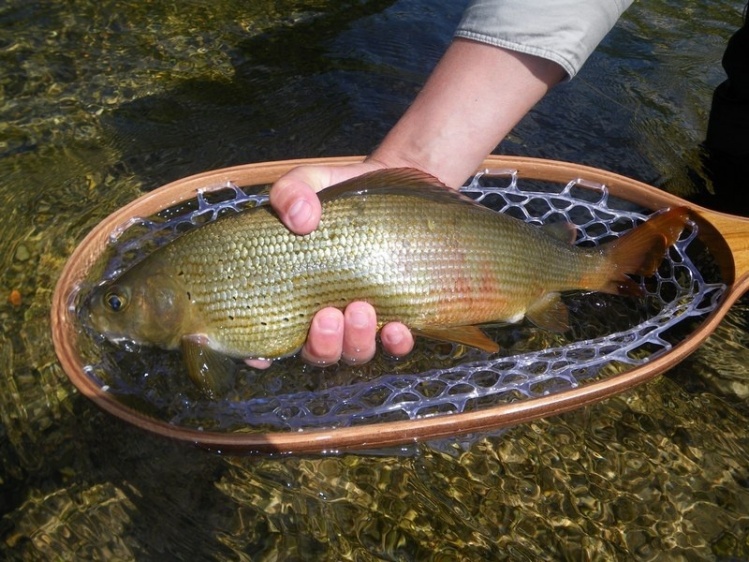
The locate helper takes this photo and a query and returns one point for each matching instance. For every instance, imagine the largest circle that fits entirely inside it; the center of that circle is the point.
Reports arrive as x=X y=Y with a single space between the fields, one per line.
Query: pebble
x=15 y=297
x=22 y=253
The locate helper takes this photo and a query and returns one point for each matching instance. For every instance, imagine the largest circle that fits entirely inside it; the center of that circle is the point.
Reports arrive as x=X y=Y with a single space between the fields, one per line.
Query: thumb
x=294 y=195
x=294 y=198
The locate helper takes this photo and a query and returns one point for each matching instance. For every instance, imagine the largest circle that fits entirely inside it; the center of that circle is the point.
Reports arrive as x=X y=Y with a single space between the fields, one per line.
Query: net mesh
x=609 y=335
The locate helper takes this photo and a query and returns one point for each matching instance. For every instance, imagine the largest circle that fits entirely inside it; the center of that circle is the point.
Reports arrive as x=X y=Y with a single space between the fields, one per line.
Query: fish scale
x=416 y=259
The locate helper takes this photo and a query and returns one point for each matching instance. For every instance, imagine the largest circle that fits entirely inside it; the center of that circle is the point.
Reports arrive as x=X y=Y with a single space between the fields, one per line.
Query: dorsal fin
x=395 y=181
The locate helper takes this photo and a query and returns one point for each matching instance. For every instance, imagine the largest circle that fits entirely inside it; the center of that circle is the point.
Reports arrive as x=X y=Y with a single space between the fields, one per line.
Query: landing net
x=609 y=334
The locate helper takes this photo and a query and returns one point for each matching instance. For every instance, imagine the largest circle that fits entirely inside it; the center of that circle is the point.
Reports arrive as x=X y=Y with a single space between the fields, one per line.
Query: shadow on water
x=298 y=89
x=725 y=152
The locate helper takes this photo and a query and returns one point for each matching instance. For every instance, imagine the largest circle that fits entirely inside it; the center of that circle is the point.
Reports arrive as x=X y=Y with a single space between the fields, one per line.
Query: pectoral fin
x=468 y=335
x=209 y=369
x=549 y=313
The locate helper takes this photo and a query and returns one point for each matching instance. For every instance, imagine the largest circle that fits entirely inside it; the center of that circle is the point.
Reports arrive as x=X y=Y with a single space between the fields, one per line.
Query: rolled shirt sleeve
x=563 y=31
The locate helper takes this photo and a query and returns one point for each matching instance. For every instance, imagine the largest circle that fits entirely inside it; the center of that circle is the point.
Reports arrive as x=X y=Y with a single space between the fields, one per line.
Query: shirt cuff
x=563 y=31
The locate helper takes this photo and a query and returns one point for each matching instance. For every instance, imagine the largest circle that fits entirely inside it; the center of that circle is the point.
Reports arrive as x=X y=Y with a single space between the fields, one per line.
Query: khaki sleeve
x=563 y=31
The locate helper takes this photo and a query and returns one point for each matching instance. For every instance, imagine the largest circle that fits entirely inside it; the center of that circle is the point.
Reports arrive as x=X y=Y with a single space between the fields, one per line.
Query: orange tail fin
x=641 y=250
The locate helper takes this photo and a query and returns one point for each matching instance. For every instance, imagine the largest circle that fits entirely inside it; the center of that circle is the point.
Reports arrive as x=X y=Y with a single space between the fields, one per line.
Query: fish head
x=143 y=307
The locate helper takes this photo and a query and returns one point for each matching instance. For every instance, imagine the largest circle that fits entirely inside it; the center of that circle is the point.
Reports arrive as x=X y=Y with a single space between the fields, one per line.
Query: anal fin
x=468 y=335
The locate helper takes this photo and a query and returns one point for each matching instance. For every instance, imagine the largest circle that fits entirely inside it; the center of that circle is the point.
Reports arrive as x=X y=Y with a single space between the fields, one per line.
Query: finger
x=295 y=200
x=360 y=329
x=325 y=339
x=258 y=363
x=396 y=339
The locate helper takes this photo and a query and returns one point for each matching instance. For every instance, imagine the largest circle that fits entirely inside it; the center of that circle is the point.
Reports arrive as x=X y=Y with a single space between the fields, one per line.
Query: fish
x=244 y=286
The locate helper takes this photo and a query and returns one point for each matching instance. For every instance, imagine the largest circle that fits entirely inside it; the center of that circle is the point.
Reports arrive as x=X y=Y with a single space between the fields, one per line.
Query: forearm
x=502 y=63
x=474 y=97
x=507 y=55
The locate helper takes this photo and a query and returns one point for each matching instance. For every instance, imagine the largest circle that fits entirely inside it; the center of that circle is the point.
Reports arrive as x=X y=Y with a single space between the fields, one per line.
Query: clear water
x=101 y=101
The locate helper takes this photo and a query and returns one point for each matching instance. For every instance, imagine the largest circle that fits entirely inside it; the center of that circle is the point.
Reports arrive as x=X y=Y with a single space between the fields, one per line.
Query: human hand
x=334 y=334
x=456 y=120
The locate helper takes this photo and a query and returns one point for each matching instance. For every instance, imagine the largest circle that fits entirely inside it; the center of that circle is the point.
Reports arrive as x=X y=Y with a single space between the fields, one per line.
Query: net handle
x=726 y=236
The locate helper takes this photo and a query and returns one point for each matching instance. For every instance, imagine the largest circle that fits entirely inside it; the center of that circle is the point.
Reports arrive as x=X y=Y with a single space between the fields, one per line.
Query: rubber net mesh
x=609 y=334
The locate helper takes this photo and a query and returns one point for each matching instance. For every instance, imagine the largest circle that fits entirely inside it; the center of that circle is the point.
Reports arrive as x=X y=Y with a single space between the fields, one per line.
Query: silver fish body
x=419 y=253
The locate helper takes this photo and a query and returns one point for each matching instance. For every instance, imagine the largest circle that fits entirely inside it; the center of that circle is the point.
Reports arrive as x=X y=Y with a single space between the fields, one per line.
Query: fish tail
x=641 y=250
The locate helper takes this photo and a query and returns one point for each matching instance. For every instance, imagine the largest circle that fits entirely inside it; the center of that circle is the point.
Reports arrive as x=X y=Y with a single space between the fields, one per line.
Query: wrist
x=393 y=157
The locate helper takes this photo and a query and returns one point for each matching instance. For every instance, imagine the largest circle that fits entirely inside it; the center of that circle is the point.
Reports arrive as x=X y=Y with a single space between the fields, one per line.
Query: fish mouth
x=100 y=328
x=124 y=342
x=119 y=340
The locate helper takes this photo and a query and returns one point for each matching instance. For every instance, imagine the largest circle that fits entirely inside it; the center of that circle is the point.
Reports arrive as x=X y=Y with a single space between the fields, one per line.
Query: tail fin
x=641 y=250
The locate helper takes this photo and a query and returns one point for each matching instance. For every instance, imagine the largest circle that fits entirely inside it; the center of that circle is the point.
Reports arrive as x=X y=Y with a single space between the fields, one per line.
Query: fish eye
x=115 y=301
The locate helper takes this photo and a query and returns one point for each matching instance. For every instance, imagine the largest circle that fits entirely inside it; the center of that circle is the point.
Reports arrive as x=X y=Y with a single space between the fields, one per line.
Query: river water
x=103 y=101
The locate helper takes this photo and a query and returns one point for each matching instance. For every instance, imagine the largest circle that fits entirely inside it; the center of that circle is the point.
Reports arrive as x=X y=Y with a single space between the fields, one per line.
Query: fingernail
x=357 y=319
x=300 y=212
x=329 y=324
x=392 y=337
